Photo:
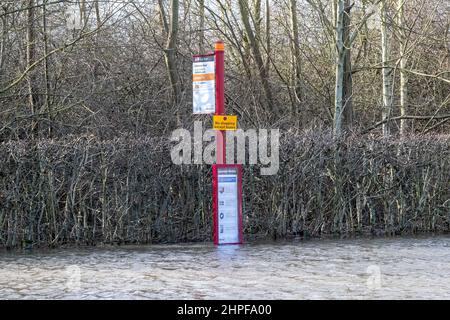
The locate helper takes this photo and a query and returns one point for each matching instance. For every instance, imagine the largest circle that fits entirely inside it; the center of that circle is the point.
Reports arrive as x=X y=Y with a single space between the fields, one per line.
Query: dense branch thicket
x=126 y=190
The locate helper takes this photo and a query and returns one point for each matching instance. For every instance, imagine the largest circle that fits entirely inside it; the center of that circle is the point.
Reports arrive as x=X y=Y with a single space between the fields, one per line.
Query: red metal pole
x=221 y=145
x=220 y=100
x=215 y=205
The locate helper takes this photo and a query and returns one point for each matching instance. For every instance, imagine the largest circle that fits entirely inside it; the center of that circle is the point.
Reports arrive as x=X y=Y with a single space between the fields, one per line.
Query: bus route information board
x=204 y=84
x=228 y=205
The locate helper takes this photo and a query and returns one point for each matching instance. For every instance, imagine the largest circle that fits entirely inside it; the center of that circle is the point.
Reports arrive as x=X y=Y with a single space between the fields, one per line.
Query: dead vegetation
x=84 y=191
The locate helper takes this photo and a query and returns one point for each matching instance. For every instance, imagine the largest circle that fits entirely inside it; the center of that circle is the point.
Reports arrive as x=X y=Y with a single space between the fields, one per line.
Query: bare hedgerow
x=80 y=190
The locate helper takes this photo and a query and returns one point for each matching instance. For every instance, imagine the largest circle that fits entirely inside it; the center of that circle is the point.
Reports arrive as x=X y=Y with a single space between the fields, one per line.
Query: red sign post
x=208 y=97
x=227 y=178
x=220 y=100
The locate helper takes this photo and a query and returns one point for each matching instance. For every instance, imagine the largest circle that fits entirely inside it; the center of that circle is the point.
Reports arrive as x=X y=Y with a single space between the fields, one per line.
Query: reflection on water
x=401 y=268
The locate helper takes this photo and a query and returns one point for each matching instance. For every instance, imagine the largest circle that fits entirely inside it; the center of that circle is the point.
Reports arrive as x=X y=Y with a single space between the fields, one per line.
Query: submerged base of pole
x=227 y=204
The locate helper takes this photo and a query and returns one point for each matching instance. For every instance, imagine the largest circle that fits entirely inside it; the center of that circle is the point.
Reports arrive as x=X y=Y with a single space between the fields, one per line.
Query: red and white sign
x=227 y=203
x=203 y=84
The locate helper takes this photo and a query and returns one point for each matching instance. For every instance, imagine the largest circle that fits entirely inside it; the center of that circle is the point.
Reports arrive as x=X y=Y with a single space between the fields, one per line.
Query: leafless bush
x=84 y=191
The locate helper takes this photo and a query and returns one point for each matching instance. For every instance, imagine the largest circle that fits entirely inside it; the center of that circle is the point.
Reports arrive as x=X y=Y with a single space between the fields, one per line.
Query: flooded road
x=397 y=268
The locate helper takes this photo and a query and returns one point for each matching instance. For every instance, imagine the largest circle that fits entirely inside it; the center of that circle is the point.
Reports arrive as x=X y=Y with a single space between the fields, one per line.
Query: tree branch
x=38 y=61
x=443 y=116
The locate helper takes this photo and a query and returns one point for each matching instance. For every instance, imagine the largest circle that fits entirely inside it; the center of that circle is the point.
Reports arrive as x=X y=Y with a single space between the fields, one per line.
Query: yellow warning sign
x=225 y=122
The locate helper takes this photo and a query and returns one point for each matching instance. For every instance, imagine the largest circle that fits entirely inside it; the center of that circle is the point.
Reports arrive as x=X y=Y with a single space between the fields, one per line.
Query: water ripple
x=399 y=268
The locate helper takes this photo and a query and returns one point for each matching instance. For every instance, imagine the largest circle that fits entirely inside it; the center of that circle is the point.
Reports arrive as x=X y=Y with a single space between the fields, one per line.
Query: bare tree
x=47 y=105
x=33 y=98
x=343 y=111
x=4 y=34
x=347 y=115
x=268 y=45
x=387 y=72
x=295 y=50
x=403 y=74
x=170 y=51
x=339 y=98
x=97 y=14
x=201 y=45
x=83 y=13
x=163 y=18
x=127 y=76
x=256 y=52
x=257 y=19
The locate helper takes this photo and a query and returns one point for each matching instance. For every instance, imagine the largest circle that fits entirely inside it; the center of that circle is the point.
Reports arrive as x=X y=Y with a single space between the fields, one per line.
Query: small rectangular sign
x=203 y=84
x=227 y=194
x=224 y=122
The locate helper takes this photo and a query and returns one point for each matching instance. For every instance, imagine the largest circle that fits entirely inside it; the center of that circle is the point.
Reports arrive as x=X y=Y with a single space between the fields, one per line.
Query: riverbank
x=81 y=191
x=252 y=240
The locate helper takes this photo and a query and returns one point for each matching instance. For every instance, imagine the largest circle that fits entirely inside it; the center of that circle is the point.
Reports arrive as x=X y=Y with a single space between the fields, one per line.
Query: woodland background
x=112 y=67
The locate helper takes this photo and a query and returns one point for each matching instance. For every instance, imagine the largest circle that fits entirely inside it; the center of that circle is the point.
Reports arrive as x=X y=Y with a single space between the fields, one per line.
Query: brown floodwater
x=394 y=268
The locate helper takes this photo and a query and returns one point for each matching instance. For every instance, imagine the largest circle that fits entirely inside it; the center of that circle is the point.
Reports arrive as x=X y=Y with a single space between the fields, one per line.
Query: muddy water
x=399 y=268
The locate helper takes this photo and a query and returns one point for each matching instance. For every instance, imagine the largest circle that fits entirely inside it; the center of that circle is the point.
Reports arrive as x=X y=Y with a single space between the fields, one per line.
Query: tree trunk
x=257 y=18
x=83 y=14
x=47 y=105
x=97 y=14
x=387 y=69
x=403 y=74
x=268 y=46
x=163 y=18
x=201 y=45
x=347 y=114
x=256 y=52
x=334 y=12
x=2 y=41
x=33 y=98
x=340 y=70
x=170 y=54
x=295 y=52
